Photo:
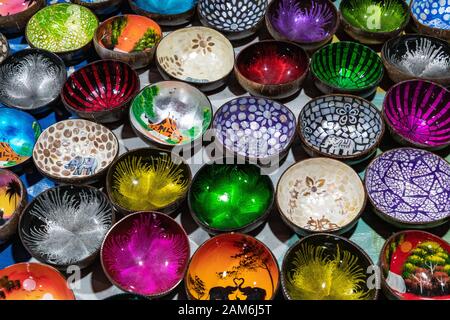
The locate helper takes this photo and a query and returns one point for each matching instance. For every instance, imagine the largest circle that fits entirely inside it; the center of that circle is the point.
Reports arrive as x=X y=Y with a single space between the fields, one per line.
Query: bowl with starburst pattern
x=432 y=17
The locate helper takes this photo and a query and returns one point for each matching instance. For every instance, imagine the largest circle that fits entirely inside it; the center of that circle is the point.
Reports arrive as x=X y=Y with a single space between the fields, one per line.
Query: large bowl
x=199 y=56
x=431 y=17
x=167 y=12
x=409 y=188
x=14 y=14
x=101 y=8
x=65 y=226
x=4 y=48
x=146 y=253
x=101 y=91
x=31 y=80
x=417 y=113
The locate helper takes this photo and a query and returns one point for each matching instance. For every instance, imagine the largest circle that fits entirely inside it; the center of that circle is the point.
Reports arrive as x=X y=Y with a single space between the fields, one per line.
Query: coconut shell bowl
x=4 y=48
x=415 y=266
x=341 y=127
x=101 y=8
x=417 y=114
x=200 y=56
x=75 y=151
x=272 y=69
x=431 y=17
x=129 y=38
x=326 y=267
x=101 y=91
x=409 y=188
x=146 y=253
x=66 y=225
x=232 y=266
x=14 y=14
x=167 y=12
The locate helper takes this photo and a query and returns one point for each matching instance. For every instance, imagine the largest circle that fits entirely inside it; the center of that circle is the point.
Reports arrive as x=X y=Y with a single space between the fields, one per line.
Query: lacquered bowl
x=200 y=56
x=161 y=176
x=431 y=17
x=417 y=113
x=146 y=253
x=272 y=69
x=129 y=38
x=101 y=8
x=374 y=21
x=232 y=266
x=309 y=23
x=236 y=20
x=65 y=226
x=14 y=14
x=31 y=79
x=33 y=281
x=408 y=188
x=18 y=134
x=4 y=48
x=417 y=57
x=75 y=151
x=341 y=127
x=167 y=12
x=326 y=267
x=414 y=266
x=171 y=113
x=101 y=91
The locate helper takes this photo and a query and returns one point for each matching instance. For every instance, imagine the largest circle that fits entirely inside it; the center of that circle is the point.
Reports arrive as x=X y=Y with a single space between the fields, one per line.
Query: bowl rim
x=24 y=13
x=417 y=22
x=162 y=14
x=97 y=5
x=20 y=208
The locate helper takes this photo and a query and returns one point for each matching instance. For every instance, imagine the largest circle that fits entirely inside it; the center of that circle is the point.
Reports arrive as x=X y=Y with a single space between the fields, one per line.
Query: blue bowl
x=167 y=12
x=432 y=17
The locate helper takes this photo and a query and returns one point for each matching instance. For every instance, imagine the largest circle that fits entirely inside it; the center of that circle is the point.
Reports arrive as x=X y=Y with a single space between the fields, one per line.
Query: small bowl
x=326 y=267
x=272 y=69
x=101 y=8
x=4 y=48
x=309 y=23
x=18 y=134
x=134 y=42
x=237 y=20
x=75 y=151
x=200 y=56
x=65 y=226
x=101 y=91
x=31 y=79
x=431 y=17
x=374 y=21
x=341 y=127
x=34 y=281
x=320 y=195
x=409 y=188
x=347 y=67
x=15 y=14
x=417 y=113
x=146 y=253
x=167 y=12
x=171 y=113
x=161 y=176
x=414 y=267
x=232 y=266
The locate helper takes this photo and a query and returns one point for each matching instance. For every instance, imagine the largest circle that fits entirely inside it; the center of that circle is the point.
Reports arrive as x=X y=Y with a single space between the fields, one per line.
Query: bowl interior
x=166 y=7
x=12 y=7
x=11 y=195
x=432 y=13
x=4 y=48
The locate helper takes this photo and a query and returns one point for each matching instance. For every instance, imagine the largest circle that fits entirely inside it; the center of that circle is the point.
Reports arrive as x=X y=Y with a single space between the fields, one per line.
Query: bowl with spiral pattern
x=432 y=17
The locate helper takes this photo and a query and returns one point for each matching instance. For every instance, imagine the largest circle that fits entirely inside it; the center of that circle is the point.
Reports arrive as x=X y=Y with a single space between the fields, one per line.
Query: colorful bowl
x=33 y=281
x=14 y=14
x=327 y=267
x=347 y=67
x=409 y=188
x=65 y=226
x=18 y=134
x=167 y=12
x=101 y=8
x=146 y=253
x=374 y=21
x=272 y=69
x=171 y=113
x=129 y=38
x=31 y=80
x=341 y=127
x=309 y=23
x=417 y=113
x=4 y=48
x=232 y=266
x=431 y=17
x=414 y=266
x=148 y=179
x=199 y=56
x=75 y=151
x=101 y=91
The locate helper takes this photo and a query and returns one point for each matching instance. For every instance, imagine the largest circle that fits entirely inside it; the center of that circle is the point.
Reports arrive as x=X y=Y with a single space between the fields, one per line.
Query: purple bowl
x=410 y=187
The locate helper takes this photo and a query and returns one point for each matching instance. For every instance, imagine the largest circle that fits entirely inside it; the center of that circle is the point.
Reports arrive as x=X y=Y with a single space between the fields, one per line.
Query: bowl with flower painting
x=14 y=14
x=146 y=253
x=432 y=17
x=4 y=48
x=327 y=267
x=101 y=8
x=167 y=12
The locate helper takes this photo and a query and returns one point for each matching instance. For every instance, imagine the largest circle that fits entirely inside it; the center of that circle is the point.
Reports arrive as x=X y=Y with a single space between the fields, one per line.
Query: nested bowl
x=327 y=267
x=101 y=8
x=200 y=56
x=65 y=226
x=129 y=38
x=341 y=127
x=4 y=48
x=75 y=151
x=101 y=91
x=417 y=113
x=272 y=69
x=146 y=253
x=167 y=12
x=14 y=14
x=431 y=17
x=232 y=266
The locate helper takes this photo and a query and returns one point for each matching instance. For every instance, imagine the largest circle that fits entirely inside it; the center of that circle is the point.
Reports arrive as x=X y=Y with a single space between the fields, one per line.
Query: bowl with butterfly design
x=14 y=14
